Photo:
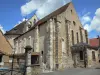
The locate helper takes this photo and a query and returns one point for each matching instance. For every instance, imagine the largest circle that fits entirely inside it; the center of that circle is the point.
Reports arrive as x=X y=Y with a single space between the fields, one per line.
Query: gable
x=5 y=46
x=73 y=16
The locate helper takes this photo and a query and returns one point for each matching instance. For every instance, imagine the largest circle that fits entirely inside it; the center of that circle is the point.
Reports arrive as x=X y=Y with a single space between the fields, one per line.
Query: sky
x=13 y=12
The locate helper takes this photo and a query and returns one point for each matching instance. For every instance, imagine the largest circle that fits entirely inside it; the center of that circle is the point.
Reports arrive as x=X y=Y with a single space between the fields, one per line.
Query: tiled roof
x=94 y=42
x=17 y=30
x=5 y=46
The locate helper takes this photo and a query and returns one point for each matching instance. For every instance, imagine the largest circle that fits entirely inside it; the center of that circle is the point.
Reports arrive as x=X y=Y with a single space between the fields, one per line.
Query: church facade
x=52 y=39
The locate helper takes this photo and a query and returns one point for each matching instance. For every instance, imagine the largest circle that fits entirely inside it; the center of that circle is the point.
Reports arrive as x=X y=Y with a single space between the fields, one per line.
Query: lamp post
x=27 y=52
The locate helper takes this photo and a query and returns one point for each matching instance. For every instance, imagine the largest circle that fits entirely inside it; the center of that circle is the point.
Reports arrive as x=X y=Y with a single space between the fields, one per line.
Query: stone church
x=58 y=40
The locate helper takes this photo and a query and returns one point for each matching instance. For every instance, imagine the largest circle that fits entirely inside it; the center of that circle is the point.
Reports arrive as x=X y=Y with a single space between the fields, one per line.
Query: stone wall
x=53 y=39
x=26 y=39
x=91 y=62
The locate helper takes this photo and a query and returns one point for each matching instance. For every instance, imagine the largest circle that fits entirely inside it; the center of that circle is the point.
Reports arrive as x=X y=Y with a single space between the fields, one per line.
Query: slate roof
x=16 y=30
x=53 y=14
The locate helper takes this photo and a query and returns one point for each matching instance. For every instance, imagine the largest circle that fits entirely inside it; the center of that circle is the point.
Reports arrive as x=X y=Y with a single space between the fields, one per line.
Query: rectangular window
x=35 y=59
x=81 y=55
x=34 y=21
x=0 y=58
x=93 y=56
x=30 y=40
x=77 y=37
x=81 y=36
x=72 y=37
x=16 y=46
x=20 y=46
x=24 y=42
x=86 y=36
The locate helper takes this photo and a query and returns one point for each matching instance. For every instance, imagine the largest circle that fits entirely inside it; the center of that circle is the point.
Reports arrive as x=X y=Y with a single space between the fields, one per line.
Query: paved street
x=76 y=72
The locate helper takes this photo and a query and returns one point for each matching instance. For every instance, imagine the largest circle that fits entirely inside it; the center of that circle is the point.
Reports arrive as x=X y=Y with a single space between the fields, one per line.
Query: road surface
x=76 y=71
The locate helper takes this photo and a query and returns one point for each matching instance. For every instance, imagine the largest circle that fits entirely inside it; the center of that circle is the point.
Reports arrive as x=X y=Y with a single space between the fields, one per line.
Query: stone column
x=68 y=45
x=36 y=40
x=28 y=60
x=58 y=45
x=50 y=45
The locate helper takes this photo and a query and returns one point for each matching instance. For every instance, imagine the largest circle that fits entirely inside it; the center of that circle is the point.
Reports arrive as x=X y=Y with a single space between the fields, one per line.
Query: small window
x=86 y=36
x=34 y=21
x=81 y=36
x=29 y=26
x=71 y=11
x=42 y=52
x=0 y=58
x=77 y=37
x=55 y=19
x=33 y=49
x=93 y=56
x=81 y=55
x=35 y=59
x=72 y=37
x=62 y=39
x=74 y=22
x=30 y=40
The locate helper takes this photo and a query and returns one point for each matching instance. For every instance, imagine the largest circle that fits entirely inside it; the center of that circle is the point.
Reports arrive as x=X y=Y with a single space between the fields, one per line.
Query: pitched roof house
x=5 y=46
x=94 y=42
x=5 y=50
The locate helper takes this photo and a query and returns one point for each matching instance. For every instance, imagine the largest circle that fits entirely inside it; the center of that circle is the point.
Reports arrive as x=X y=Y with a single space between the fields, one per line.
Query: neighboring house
x=96 y=43
x=58 y=40
x=5 y=51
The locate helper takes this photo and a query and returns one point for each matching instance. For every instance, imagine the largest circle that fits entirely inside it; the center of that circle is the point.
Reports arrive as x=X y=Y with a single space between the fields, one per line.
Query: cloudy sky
x=13 y=12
